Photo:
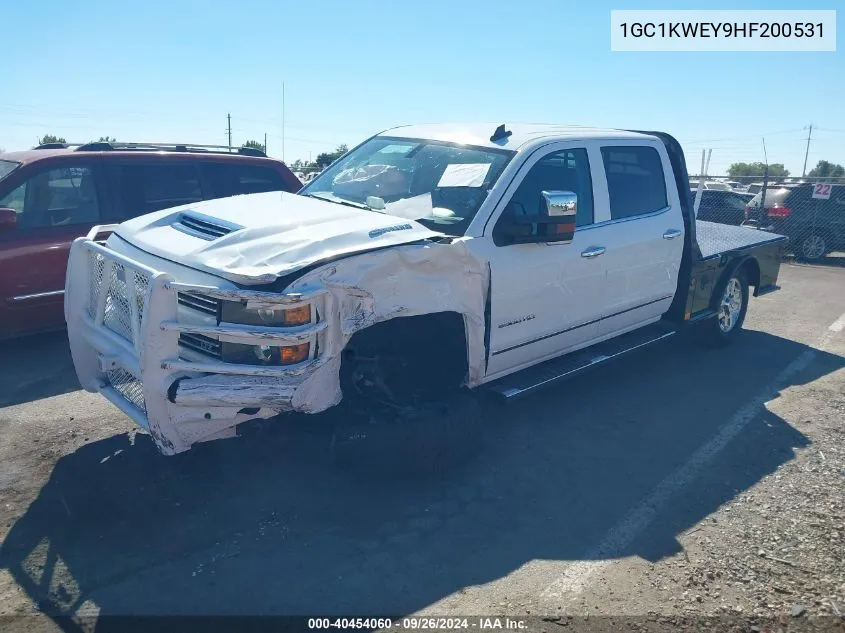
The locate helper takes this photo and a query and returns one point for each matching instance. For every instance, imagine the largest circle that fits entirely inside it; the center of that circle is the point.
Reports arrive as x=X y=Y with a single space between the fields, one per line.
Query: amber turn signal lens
x=294 y=353
x=297 y=316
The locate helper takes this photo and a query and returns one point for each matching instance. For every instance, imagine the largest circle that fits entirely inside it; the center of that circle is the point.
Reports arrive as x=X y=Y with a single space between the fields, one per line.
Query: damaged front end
x=190 y=362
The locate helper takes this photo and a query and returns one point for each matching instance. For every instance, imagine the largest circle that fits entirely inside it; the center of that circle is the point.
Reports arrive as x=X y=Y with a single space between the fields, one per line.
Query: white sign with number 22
x=821 y=191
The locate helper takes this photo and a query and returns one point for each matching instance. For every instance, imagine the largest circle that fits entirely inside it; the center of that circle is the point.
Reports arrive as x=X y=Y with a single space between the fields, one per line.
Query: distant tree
x=254 y=145
x=49 y=138
x=757 y=170
x=825 y=169
x=327 y=158
x=106 y=139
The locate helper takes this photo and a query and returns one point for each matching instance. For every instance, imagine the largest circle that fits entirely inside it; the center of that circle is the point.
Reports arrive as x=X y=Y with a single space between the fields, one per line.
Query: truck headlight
x=237 y=312
x=285 y=355
x=243 y=354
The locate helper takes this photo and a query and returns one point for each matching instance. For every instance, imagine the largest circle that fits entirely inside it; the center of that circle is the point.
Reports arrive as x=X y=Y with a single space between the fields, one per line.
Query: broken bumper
x=127 y=326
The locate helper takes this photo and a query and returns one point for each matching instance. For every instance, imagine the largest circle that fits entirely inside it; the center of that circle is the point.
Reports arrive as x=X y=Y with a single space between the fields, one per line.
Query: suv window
x=730 y=200
x=568 y=170
x=147 y=187
x=55 y=197
x=635 y=180
x=254 y=179
x=234 y=179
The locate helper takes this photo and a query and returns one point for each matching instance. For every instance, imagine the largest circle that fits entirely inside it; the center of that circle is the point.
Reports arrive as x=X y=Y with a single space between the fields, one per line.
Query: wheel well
x=752 y=272
x=424 y=352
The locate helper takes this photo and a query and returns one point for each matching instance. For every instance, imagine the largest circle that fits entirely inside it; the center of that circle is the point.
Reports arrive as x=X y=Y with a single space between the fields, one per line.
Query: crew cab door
x=644 y=238
x=545 y=298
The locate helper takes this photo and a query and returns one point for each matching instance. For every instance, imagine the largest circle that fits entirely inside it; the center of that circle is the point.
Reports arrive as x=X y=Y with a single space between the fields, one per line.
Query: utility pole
x=762 y=205
x=265 y=142
x=283 y=121
x=229 y=119
x=807 y=153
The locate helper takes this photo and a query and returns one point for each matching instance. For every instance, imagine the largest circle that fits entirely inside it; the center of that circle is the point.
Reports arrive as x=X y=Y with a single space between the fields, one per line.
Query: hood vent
x=203 y=226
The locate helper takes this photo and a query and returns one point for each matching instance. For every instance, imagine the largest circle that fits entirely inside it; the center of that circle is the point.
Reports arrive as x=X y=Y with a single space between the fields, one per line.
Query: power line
x=732 y=138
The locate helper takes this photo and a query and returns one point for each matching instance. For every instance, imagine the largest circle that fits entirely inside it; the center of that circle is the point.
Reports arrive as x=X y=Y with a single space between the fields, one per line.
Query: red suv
x=56 y=192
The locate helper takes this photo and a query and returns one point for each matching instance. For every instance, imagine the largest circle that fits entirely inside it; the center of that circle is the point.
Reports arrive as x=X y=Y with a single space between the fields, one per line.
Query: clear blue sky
x=171 y=71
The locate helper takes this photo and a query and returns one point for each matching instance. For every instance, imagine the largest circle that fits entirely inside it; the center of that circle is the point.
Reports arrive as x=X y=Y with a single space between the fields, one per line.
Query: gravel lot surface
x=678 y=489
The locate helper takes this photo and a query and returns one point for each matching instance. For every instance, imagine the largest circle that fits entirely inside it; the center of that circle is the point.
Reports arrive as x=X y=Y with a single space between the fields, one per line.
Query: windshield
x=7 y=167
x=441 y=185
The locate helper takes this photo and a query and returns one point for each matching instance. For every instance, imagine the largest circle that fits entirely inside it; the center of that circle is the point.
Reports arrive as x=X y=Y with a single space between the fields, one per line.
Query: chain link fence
x=809 y=211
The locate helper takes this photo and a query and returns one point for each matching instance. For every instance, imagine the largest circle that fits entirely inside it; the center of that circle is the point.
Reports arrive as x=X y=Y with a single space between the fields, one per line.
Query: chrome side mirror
x=561 y=209
x=561 y=203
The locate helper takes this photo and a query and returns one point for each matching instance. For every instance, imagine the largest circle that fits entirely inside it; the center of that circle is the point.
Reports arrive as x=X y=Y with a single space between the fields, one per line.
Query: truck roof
x=522 y=134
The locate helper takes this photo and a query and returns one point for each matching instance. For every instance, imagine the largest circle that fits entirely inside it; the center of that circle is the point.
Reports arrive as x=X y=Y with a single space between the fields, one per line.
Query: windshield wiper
x=330 y=198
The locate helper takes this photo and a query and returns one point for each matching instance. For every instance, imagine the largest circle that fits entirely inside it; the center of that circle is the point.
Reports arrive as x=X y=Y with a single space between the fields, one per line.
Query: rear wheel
x=730 y=311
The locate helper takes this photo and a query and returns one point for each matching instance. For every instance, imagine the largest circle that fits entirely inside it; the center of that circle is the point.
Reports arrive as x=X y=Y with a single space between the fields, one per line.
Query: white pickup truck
x=428 y=261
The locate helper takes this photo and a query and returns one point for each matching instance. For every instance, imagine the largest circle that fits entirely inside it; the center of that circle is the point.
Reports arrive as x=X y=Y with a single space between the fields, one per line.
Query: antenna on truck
x=500 y=134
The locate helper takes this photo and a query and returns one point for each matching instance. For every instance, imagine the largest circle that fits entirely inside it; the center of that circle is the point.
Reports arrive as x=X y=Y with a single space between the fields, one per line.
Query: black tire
x=435 y=436
x=717 y=332
x=812 y=247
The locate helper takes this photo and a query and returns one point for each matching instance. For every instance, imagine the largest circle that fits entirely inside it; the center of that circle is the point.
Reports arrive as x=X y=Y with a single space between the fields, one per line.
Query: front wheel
x=730 y=311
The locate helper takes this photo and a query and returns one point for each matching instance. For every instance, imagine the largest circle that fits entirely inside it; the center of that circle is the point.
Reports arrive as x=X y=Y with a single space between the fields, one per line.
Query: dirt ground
x=679 y=489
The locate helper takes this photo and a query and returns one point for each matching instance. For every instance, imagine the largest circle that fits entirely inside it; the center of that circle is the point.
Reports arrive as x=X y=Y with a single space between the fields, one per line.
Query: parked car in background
x=724 y=207
x=55 y=193
x=710 y=184
x=736 y=185
x=814 y=227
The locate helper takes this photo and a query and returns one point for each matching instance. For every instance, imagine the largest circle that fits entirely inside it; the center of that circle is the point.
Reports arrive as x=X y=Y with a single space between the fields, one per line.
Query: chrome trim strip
x=598 y=225
x=598 y=360
x=38 y=295
x=575 y=327
x=243 y=294
x=244 y=370
x=240 y=333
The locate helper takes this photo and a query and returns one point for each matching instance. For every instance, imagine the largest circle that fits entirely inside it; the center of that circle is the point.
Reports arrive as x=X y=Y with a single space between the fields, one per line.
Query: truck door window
x=56 y=197
x=635 y=180
x=568 y=170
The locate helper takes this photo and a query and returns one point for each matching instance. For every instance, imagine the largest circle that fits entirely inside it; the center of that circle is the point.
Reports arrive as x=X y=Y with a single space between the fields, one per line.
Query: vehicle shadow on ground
x=27 y=381
x=263 y=524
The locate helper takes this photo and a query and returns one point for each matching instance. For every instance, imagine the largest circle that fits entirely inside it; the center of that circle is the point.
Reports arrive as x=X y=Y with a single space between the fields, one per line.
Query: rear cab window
x=636 y=182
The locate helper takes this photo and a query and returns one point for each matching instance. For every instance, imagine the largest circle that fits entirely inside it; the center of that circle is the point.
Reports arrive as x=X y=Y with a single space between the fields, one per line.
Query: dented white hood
x=269 y=234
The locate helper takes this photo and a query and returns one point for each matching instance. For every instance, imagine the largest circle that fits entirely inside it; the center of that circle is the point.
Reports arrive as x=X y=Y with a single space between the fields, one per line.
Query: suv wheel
x=813 y=247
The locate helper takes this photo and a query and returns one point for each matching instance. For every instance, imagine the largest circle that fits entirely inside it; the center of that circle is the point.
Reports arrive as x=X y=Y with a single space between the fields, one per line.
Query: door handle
x=593 y=251
x=671 y=234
